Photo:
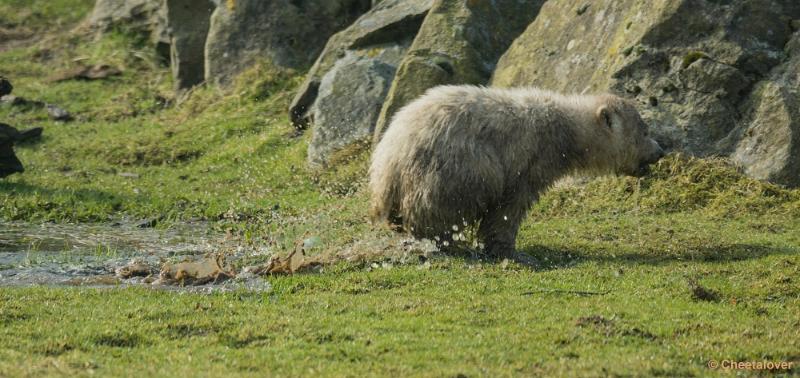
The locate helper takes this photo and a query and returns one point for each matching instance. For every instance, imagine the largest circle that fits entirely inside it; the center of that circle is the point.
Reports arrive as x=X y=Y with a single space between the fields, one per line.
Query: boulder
x=188 y=22
x=9 y=163
x=700 y=70
x=768 y=141
x=288 y=33
x=349 y=101
x=459 y=43
x=390 y=23
x=142 y=16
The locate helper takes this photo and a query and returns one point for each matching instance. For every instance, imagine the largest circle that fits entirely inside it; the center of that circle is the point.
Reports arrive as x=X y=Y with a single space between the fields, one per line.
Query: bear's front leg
x=499 y=228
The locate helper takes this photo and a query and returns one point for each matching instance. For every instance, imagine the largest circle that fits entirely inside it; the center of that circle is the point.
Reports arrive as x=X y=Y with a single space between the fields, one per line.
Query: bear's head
x=631 y=148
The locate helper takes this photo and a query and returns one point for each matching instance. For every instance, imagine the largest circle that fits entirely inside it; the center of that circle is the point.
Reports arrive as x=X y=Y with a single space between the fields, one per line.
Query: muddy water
x=89 y=255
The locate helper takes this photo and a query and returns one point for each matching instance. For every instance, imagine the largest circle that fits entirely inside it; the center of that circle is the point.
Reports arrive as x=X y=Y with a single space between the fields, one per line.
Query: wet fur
x=465 y=154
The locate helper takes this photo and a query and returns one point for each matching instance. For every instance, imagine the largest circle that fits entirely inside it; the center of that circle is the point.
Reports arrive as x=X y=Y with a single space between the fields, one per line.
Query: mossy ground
x=615 y=294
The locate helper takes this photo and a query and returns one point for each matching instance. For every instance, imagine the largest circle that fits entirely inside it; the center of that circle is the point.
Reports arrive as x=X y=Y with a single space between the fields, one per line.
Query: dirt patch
x=11 y=38
x=136 y=268
x=208 y=270
x=610 y=327
x=96 y=72
x=701 y=293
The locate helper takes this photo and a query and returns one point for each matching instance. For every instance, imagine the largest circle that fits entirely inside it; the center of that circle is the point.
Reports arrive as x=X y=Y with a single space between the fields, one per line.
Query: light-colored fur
x=465 y=154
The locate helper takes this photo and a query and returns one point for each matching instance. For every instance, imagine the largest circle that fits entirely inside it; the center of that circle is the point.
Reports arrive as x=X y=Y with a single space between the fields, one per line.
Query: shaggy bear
x=475 y=155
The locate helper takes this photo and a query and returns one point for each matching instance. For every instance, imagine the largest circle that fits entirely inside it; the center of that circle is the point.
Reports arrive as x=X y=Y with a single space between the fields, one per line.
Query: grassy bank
x=641 y=277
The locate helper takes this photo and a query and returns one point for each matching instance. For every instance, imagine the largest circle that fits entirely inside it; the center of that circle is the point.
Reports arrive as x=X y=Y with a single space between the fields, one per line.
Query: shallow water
x=89 y=255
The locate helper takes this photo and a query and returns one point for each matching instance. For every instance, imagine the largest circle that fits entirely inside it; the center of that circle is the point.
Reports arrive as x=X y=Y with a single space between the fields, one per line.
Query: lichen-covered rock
x=390 y=24
x=349 y=101
x=459 y=43
x=768 y=141
x=144 y=16
x=692 y=65
x=188 y=22
x=288 y=33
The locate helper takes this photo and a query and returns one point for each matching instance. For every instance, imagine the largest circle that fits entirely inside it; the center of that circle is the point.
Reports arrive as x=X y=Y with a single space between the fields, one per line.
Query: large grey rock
x=390 y=24
x=768 y=141
x=188 y=22
x=459 y=43
x=349 y=101
x=143 y=16
x=288 y=33
x=697 y=68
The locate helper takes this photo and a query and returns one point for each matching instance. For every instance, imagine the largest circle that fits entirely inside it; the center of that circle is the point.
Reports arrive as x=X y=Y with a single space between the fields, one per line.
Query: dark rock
x=286 y=33
x=5 y=87
x=188 y=22
x=390 y=24
x=349 y=101
x=8 y=134
x=9 y=163
x=459 y=43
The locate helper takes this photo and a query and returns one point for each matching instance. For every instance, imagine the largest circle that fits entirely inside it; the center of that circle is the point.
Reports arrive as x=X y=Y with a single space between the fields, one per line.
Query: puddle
x=91 y=255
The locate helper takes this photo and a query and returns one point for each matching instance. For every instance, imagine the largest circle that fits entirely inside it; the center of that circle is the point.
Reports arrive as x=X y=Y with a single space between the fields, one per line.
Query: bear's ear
x=604 y=117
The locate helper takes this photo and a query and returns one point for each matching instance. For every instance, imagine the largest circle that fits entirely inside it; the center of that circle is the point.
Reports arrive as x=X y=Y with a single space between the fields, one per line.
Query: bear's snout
x=655 y=154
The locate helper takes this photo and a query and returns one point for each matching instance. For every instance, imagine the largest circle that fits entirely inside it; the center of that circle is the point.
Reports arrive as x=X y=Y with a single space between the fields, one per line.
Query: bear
x=481 y=156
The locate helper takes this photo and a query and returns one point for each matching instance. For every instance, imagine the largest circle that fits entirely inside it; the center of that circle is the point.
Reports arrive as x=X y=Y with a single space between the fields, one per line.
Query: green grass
x=26 y=18
x=231 y=157
x=451 y=317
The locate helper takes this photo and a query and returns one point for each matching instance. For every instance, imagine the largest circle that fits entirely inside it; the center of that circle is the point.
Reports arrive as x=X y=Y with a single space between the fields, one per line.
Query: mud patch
x=187 y=257
x=96 y=255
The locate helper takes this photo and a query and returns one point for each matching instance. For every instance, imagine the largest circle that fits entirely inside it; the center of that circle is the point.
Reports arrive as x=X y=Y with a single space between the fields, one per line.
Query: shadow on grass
x=555 y=258
x=551 y=258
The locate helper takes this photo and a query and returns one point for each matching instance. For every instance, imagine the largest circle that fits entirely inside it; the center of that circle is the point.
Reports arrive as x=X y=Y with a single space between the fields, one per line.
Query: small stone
x=12 y=100
x=58 y=114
